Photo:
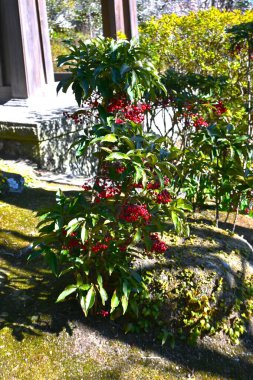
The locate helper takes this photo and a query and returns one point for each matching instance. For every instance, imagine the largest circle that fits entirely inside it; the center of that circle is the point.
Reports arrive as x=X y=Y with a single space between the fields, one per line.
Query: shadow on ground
x=27 y=307
x=34 y=199
x=240 y=229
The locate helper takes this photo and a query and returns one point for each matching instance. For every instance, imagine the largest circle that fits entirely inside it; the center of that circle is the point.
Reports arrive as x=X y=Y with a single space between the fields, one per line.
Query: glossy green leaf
x=117 y=156
x=84 y=233
x=114 y=301
x=66 y=292
x=90 y=299
x=124 y=302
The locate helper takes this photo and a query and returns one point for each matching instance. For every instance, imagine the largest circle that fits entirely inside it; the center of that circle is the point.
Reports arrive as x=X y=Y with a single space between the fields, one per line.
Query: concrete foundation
x=36 y=129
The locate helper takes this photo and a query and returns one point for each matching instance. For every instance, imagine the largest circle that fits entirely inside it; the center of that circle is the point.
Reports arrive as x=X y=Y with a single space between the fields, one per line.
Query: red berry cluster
x=98 y=247
x=138 y=185
x=86 y=186
x=103 y=313
x=163 y=197
x=73 y=242
x=135 y=213
x=107 y=189
x=219 y=108
x=153 y=185
x=158 y=246
x=114 y=167
x=200 y=122
x=109 y=192
x=128 y=111
x=108 y=239
x=120 y=169
x=123 y=248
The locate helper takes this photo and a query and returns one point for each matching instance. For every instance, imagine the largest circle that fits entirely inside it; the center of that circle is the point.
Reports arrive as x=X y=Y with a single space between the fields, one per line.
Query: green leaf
x=111 y=137
x=84 y=233
x=117 y=156
x=111 y=269
x=183 y=204
x=94 y=219
x=139 y=174
x=102 y=114
x=61 y=60
x=124 y=302
x=152 y=158
x=160 y=140
x=48 y=228
x=65 y=271
x=78 y=91
x=134 y=79
x=128 y=141
x=79 y=280
x=85 y=86
x=160 y=177
x=126 y=288
x=84 y=287
x=115 y=75
x=73 y=225
x=82 y=303
x=136 y=276
x=103 y=294
x=175 y=220
x=100 y=280
x=35 y=254
x=124 y=69
x=90 y=299
x=52 y=261
x=137 y=235
x=66 y=292
x=114 y=301
x=165 y=335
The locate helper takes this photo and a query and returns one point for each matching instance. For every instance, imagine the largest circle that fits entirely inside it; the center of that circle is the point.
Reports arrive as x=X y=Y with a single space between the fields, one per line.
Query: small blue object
x=15 y=182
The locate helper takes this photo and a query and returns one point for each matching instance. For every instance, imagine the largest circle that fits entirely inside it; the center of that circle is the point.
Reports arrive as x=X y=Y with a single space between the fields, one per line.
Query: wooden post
x=119 y=16
x=130 y=18
x=25 y=54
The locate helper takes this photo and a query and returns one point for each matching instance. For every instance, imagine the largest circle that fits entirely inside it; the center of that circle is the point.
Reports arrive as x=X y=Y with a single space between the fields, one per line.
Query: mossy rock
x=205 y=284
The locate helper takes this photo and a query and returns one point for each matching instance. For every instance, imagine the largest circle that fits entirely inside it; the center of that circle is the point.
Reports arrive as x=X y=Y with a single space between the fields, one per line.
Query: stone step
x=37 y=130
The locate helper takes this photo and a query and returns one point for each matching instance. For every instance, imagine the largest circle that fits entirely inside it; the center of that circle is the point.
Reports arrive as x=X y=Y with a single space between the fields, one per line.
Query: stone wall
x=48 y=144
x=55 y=140
x=18 y=140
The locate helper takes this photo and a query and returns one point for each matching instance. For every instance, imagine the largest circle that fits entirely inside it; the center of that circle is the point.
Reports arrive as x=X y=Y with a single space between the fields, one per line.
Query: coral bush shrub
x=129 y=201
x=142 y=181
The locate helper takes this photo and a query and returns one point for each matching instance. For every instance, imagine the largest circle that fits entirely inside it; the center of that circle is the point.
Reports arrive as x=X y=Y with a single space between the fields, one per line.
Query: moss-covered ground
x=43 y=340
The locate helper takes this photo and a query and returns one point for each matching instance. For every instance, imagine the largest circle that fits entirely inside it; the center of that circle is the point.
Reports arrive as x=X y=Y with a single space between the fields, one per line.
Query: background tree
x=82 y=16
x=156 y=8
